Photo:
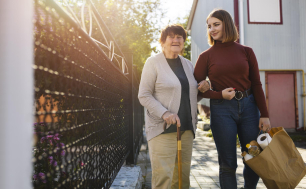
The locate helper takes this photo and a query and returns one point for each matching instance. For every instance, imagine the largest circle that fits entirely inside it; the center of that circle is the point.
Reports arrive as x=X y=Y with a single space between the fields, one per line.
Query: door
x=281 y=99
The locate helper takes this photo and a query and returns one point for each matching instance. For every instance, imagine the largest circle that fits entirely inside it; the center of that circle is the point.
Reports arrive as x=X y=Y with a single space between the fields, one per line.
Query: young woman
x=236 y=96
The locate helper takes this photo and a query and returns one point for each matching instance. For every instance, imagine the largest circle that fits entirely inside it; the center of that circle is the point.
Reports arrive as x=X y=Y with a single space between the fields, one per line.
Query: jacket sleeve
x=146 y=90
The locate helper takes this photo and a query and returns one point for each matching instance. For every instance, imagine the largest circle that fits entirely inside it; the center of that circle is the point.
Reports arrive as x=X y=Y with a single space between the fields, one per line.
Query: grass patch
x=298 y=138
x=209 y=134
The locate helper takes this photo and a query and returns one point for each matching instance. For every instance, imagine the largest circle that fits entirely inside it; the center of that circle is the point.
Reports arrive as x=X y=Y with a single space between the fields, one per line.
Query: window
x=265 y=12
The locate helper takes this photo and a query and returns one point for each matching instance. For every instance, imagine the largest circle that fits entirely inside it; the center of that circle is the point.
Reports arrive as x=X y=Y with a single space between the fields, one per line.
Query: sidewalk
x=204 y=165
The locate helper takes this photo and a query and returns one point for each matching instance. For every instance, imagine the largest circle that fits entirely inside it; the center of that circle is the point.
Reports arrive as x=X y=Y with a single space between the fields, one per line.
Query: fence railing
x=88 y=118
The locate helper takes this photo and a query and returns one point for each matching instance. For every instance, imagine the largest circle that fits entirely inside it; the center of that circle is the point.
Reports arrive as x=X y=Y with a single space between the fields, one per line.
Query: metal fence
x=88 y=118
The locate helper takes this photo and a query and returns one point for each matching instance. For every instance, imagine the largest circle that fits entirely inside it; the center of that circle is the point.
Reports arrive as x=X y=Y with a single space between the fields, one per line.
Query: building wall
x=281 y=47
x=277 y=46
x=302 y=8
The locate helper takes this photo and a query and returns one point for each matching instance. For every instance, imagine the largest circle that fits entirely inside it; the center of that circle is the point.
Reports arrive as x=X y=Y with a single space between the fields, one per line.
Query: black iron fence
x=88 y=118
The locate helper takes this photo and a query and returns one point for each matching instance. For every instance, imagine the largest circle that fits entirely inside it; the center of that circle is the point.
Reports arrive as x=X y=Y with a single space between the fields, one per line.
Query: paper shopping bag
x=279 y=165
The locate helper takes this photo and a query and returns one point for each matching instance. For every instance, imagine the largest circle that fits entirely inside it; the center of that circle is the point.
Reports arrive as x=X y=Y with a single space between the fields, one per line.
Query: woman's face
x=215 y=28
x=174 y=44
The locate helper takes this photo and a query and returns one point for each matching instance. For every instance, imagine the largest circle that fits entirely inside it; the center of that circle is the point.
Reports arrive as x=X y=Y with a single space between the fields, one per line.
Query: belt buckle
x=240 y=93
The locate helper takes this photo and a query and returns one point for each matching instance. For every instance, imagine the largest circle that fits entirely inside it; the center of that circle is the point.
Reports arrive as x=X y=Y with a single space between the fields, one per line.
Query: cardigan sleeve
x=146 y=90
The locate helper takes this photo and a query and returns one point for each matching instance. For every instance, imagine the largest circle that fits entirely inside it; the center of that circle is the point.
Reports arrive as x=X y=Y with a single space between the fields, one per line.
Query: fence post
x=130 y=159
x=16 y=92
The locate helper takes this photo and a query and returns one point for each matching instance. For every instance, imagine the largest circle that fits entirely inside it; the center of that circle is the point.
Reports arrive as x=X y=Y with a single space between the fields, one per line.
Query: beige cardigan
x=160 y=91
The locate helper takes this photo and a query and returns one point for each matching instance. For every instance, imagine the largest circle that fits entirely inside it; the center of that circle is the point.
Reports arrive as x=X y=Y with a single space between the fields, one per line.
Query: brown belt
x=240 y=95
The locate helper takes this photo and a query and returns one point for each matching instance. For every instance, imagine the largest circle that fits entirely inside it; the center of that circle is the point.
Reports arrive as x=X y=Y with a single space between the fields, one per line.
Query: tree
x=187 y=45
x=133 y=24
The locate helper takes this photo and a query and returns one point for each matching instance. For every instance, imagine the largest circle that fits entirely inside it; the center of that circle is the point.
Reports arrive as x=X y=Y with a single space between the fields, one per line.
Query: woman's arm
x=146 y=90
x=200 y=74
x=204 y=86
x=256 y=86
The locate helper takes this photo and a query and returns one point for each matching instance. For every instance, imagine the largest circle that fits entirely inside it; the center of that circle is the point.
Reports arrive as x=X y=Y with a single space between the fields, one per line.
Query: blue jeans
x=229 y=118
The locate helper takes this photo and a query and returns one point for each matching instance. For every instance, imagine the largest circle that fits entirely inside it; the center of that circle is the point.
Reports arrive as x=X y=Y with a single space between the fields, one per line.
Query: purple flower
x=50 y=158
x=56 y=138
x=42 y=176
x=42 y=139
x=49 y=136
x=60 y=152
x=53 y=162
x=56 y=135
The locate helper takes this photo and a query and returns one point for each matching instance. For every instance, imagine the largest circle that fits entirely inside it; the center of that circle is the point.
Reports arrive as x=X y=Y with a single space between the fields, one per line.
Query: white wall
x=16 y=93
x=302 y=8
x=278 y=46
x=281 y=47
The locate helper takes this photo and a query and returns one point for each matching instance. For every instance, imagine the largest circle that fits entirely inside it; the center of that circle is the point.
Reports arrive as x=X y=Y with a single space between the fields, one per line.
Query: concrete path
x=204 y=165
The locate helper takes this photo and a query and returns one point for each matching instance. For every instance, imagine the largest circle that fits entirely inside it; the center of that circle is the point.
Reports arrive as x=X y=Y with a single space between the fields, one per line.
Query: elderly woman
x=168 y=91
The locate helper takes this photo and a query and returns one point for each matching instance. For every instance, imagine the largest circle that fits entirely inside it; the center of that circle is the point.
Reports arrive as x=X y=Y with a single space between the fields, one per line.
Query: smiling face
x=215 y=28
x=173 y=45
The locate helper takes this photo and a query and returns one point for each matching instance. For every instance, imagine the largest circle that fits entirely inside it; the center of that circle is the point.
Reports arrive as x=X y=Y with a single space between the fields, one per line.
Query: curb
x=129 y=177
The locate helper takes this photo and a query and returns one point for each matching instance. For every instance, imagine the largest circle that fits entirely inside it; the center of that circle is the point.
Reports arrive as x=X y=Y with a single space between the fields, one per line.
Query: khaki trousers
x=163 y=156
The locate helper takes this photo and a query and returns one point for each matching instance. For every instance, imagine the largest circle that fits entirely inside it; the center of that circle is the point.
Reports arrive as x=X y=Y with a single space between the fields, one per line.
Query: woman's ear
x=162 y=45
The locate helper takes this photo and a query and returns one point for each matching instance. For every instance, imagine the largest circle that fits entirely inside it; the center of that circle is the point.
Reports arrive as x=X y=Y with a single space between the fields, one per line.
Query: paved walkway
x=204 y=165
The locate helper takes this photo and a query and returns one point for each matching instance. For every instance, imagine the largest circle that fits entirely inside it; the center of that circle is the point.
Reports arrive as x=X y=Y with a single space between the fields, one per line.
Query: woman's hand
x=203 y=86
x=264 y=124
x=228 y=93
x=171 y=118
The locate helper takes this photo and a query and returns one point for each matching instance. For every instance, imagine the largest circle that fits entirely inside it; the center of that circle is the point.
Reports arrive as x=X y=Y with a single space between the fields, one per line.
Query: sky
x=173 y=9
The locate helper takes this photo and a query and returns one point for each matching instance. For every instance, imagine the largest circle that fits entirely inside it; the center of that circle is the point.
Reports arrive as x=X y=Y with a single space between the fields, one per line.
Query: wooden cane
x=179 y=154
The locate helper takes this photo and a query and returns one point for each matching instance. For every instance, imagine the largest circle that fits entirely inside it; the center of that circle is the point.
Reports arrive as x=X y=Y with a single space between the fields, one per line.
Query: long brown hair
x=230 y=32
